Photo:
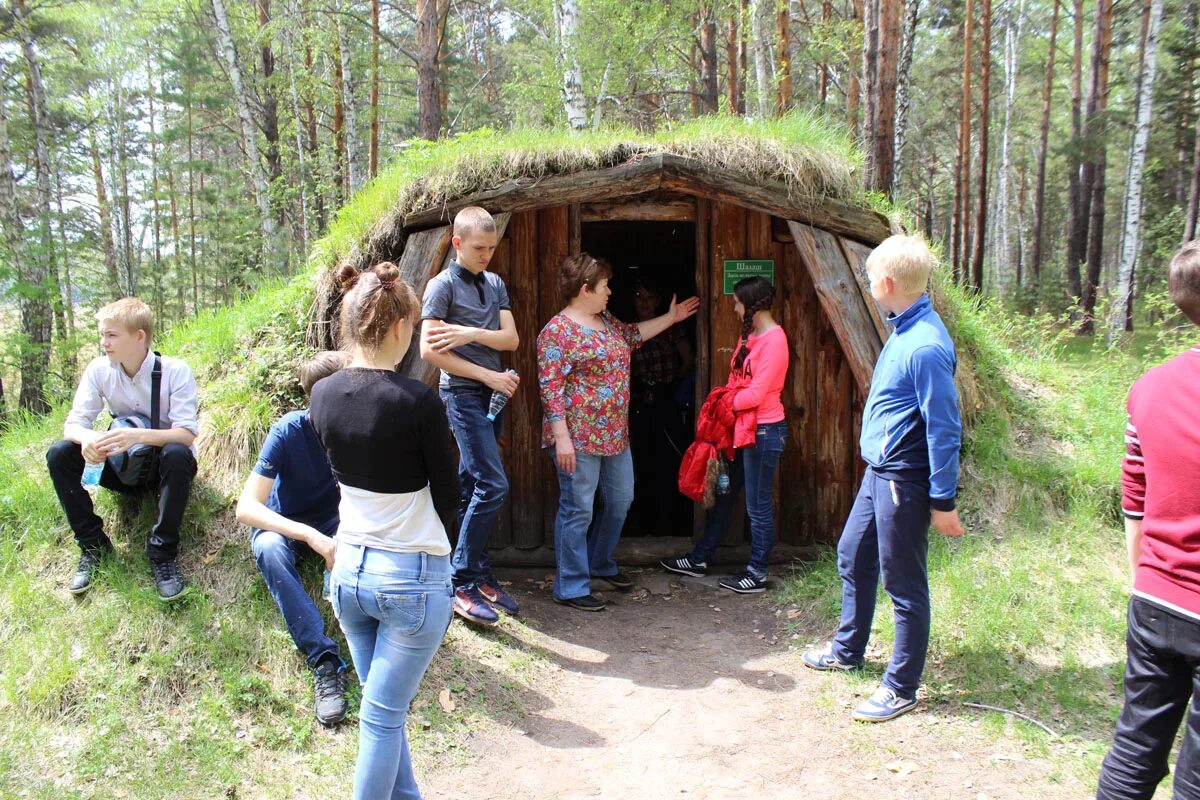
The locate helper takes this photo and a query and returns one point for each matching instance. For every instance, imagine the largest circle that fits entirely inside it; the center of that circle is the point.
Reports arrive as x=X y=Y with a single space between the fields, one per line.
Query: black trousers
x=172 y=480
x=1162 y=679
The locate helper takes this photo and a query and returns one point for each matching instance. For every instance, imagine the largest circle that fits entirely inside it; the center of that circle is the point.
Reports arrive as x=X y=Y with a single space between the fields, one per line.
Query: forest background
x=187 y=151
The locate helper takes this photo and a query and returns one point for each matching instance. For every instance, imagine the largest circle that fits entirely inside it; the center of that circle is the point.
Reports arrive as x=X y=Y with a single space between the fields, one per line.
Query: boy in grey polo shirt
x=467 y=323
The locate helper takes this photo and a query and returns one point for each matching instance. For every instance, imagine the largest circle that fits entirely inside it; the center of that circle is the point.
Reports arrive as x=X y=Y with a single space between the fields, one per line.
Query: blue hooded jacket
x=911 y=428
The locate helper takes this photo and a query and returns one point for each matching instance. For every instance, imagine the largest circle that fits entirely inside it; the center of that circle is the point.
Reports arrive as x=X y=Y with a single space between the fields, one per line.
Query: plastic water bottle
x=499 y=400
x=722 y=477
x=325 y=591
x=91 y=476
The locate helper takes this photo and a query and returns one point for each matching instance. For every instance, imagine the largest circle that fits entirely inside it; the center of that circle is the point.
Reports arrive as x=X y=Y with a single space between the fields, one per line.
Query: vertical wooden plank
x=703 y=321
x=554 y=242
x=423 y=253
x=834 y=426
x=501 y=265
x=574 y=229
x=728 y=241
x=856 y=254
x=524 y=424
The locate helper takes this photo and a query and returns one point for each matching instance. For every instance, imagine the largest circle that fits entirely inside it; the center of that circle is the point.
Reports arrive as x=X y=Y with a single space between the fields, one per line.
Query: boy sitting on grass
x=290 y=502
x=1161 y=500
x=910 y=439
x=122 y=379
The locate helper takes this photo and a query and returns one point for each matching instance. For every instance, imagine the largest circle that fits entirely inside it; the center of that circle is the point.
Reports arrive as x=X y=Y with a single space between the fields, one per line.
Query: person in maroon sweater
x=1161 y=501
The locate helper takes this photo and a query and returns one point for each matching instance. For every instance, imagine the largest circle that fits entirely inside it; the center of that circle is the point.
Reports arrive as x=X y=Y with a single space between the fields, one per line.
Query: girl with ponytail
x=388 y=443
x=758 y=369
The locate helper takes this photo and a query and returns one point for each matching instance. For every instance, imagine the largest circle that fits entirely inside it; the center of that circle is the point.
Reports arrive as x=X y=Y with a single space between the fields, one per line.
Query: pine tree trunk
x=310 y=123
x=269 y=105
x=1039 y=192
x=869 y=88
x=985 y=75
x=1095 y=178
x=258 y=176
x=709 y=91
x=301 y=149
x=903 y=87
x=732 y=76
x=1121 y=318
x=373 y=165
x=854 y=84
x=1077 y=197
x=883 y=146
x=34 y=307
x=962 y=177
x=784 y=73
x=1193 y=201
x=340 y=186
x=102 y=206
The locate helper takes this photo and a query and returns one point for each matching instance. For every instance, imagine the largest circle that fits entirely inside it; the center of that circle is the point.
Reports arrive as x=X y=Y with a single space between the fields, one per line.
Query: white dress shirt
x=105 y=382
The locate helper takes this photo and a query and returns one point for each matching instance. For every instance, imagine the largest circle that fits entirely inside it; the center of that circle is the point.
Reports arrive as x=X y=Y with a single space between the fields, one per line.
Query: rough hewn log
x=841 y=299
x=641 y=209
x=857 y=254
x=648 y=550
x=676 y=173
x=554 y=244
x=524 y=423
x=424 y=252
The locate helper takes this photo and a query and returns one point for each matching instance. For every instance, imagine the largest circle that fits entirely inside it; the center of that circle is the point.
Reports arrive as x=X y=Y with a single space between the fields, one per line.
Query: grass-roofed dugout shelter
x=683 y=209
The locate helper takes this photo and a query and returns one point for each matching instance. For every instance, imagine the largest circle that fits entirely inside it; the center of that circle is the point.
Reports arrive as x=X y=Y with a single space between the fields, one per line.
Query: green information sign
x=738 y=268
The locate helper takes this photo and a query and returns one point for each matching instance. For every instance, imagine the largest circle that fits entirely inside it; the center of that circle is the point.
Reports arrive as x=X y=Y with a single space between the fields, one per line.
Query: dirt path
x=680 y=690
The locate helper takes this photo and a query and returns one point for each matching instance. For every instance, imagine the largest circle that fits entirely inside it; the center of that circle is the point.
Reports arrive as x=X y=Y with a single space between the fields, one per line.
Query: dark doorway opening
x=651 y=261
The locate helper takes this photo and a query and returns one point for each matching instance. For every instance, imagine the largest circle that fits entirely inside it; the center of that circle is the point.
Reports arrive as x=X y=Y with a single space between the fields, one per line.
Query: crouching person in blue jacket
x=290 y=501
x=910 y=440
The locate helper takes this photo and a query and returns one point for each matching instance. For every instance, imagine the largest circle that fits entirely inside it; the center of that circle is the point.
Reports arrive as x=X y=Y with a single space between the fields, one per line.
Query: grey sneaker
x=89 y=560
x=167 y=579
x=883 y=705
x=329 y=692
x=823 y=659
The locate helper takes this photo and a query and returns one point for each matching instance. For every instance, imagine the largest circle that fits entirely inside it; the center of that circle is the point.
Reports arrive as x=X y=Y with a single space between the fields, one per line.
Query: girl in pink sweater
x=759 y=367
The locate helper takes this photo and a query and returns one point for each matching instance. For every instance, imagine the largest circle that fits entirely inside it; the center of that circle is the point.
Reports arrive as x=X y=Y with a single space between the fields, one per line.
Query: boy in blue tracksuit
x=910 y=439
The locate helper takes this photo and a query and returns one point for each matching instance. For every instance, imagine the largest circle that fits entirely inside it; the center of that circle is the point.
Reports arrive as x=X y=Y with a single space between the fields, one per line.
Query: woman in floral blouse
x=583 y=371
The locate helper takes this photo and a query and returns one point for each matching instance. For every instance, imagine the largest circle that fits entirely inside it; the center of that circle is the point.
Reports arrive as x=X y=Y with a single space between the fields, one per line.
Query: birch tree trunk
x=258 y=176
x=373 y=160
x=732 y=74
x=1121 y=316
x=762 y=68
x=301 y=154
x=1012 y=42
x=566 y=17
x=354 y=172
x=1039 y=192
x=903 y=87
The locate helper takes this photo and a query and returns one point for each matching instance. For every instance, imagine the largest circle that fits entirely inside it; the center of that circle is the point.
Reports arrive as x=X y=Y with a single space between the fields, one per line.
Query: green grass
x=1029 y=607
x=813 y=156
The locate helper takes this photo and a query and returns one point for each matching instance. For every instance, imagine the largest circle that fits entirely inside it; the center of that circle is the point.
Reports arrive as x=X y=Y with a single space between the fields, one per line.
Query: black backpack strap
x=155 y=389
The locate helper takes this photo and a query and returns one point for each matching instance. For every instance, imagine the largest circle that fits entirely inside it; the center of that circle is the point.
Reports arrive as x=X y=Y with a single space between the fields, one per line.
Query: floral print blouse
x=584 y=378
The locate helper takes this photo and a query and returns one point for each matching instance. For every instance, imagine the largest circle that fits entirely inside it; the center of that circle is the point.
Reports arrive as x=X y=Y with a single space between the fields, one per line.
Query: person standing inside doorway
x=467 y=323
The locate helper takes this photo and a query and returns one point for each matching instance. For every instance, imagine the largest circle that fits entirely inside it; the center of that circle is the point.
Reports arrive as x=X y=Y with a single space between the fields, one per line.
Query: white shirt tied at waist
x=104 y=381
x=403 y=523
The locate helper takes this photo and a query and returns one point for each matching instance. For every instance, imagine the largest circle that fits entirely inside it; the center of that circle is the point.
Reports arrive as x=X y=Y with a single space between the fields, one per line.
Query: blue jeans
x=583 y=549
x=753 y=468
x=484 y=484
x=394 y=609
x=276 y=556
x=888 y=528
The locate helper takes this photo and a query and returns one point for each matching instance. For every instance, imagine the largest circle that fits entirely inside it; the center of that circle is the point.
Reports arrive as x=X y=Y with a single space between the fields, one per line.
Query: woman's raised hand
x=681 y=311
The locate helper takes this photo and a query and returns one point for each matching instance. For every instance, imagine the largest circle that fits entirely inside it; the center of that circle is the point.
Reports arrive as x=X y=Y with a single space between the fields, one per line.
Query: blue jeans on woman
x=394 y=609
x=754 y=468
x=583 y=548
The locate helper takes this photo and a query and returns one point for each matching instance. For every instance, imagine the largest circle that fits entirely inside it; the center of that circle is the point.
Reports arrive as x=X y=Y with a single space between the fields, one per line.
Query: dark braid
x=756 y=294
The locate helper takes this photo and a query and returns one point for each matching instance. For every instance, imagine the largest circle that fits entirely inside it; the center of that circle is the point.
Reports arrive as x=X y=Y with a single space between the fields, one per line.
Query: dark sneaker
x=823 y=659
x=167 y=579
x=746 y=583
x=885 y=704
x=329 y=693
x=618 y=581
x=497 y=597
x=470 y=605
x=684 y=566
x=89 y=560
x=589 y=602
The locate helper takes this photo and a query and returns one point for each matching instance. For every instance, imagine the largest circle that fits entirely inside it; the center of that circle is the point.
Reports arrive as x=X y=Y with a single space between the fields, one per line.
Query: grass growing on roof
x=810 y=154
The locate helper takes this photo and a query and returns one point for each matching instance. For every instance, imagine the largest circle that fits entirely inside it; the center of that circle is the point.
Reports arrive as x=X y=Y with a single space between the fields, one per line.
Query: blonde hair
x=131 y=314
x=473 y=219
x=906 y=259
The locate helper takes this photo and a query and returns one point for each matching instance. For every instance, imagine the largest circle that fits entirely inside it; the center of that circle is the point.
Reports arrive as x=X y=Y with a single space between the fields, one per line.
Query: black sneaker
x=746 y=583
x=589 y=602
x=329 y=692
x=618 y=581
x=684 y=566
x=89 y=560
x=167 y=579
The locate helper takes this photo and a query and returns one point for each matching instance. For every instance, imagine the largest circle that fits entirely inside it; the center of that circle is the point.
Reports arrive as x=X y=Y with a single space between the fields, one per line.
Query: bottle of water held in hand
x=91 y=476
x=499 y=399
x=722 y=476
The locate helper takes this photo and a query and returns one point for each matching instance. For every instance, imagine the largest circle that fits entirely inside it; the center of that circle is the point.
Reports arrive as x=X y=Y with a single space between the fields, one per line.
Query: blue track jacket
x=911 y=428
